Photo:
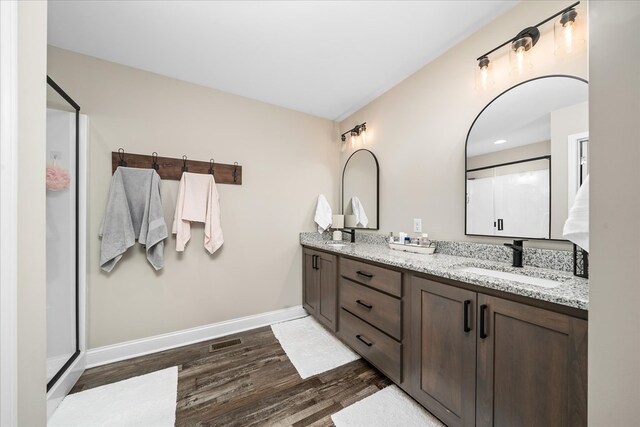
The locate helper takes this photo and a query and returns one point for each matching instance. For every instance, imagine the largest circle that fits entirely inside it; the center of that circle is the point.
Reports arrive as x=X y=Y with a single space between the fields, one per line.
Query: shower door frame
x=77 y=352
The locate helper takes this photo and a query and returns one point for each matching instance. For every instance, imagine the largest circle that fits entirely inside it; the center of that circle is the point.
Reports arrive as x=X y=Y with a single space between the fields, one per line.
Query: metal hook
x=122 y=162
x=211 y=169
x=235 y=171
x=154 y=158
x=184 y=164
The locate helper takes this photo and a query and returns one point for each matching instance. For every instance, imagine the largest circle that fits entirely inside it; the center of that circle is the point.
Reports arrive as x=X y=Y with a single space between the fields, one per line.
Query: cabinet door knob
x=362 y=339
x=364 y=304
x=483 y=313
x=467 y=304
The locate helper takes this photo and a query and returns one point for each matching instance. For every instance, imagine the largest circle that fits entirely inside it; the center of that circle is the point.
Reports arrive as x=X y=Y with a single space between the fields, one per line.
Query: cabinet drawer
x=383 y=279
x=382 y=351
x=381 y=310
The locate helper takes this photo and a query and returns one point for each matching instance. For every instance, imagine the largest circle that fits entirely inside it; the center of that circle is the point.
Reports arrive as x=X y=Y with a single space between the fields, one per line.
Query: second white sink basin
x=335 y=244
x=537 y=281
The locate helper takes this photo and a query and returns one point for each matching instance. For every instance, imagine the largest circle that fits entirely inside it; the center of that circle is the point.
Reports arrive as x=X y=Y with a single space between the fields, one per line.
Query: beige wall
x=614 y=288
x=287 y=158
x=32 y=340
x=418 y=128
x=564 y=122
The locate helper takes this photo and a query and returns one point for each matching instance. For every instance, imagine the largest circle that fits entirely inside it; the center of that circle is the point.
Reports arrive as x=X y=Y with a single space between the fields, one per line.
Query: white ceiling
x=326 y=58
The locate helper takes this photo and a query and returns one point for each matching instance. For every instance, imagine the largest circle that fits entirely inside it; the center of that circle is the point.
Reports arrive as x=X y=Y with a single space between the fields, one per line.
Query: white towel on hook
x=358 y=211
x=323 y=215
x=576 y=229
x=198 y=201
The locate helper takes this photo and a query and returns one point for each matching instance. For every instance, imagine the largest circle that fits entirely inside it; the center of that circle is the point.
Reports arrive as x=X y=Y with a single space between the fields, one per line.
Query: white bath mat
x=311 y=349
x=147 y=400
x=389 y=407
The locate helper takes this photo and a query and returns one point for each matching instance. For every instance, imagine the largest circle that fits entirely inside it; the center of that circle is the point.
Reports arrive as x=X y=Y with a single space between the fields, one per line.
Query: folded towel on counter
x=198 y=201
x=133 y=212
x=358 y=211
x=576 y=228
x=323 y=215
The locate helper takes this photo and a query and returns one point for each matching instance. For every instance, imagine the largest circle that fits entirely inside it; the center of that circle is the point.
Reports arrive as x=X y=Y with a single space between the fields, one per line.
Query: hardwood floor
x=246 y=383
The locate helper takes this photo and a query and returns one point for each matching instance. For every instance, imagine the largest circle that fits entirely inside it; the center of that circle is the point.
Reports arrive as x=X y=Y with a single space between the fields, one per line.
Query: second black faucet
x=518 y=249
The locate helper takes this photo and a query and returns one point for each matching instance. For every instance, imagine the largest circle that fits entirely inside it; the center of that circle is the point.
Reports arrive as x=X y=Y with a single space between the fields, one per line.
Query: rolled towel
x=576 y=228
x=323 y=214
x=358 y=211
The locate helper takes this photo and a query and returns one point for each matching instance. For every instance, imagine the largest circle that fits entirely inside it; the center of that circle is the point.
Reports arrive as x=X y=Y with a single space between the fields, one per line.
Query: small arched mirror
x=526 y=157
x=360 y=204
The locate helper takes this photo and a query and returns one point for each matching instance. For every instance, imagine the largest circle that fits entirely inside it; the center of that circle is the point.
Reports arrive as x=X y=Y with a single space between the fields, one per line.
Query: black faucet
x=353 y=234
x=518 y=248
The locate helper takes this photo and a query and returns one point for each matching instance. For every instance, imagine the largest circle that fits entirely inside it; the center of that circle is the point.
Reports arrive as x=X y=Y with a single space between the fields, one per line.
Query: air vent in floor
x=224 y=344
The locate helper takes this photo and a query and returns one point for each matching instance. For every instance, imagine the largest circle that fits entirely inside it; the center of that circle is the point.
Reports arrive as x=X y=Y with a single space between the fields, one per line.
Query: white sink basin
x=545 y=283
x=336 y=245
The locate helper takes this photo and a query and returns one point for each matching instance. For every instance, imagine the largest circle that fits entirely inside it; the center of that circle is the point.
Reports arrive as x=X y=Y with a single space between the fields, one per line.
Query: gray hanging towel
x=134 y=212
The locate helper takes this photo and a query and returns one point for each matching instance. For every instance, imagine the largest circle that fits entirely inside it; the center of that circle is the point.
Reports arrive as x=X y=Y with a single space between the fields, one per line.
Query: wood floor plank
x=247 y=382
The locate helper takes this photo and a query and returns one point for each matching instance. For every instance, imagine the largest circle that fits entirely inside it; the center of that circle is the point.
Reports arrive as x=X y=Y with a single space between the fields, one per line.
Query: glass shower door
x=62 y=233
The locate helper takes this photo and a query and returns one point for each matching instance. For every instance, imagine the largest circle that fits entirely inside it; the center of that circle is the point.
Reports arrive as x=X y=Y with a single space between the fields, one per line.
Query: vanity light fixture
x=525 y=40
x=355 y=132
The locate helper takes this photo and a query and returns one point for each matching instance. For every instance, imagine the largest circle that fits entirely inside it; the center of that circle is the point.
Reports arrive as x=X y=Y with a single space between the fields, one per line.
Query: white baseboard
x=127 y=350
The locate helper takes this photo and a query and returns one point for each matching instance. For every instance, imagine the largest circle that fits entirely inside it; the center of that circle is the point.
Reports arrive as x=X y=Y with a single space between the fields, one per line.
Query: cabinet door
x=328 y=289
x=310 y=292
x=531 y=366
x=443 y=350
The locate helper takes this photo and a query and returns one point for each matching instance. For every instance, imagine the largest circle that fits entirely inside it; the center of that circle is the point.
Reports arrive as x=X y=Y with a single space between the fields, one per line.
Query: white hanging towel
x=198 y=201
x=358 y=211
x=133 y=212
x=576 y=229
x=323 y=215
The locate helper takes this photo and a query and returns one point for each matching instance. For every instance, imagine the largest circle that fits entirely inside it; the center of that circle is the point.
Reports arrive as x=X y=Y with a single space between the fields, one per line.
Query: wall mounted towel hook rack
x=154 y=158
x=122 y=162
x=171 y=168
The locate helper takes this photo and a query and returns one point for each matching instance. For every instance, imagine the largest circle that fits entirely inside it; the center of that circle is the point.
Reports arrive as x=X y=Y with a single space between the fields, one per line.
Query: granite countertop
x=572 y=292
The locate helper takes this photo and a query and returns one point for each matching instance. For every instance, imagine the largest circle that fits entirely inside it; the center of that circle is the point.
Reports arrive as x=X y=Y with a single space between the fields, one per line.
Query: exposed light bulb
x=353 y=139
x=364 y=135
x=520 y=58
x=568 y=35
x=484 y=77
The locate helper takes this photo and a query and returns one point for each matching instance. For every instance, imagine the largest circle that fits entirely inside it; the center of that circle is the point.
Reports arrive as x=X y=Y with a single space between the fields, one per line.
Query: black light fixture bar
x=357 y=130
x=520 y=34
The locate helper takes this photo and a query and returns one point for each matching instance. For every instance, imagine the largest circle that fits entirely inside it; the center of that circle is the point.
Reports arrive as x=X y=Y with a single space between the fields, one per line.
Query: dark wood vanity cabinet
x=442 y=372
x=487 y=361
x=370 y=314
x=320 y=287
x=532 y=366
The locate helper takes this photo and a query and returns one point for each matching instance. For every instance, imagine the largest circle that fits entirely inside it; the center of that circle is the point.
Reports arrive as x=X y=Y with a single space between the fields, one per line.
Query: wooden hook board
x=171 y=168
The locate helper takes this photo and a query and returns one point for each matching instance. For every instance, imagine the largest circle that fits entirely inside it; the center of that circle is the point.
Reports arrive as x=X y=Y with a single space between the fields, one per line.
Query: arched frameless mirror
x=360 y=204
x=526 y=157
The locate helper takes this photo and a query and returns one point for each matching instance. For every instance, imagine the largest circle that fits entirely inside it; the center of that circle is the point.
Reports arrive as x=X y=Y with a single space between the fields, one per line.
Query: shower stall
x=65 y=242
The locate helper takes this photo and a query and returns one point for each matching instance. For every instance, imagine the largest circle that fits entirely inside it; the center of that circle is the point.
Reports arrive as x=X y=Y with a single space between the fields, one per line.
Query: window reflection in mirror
x=360 y=191
x=545 y=119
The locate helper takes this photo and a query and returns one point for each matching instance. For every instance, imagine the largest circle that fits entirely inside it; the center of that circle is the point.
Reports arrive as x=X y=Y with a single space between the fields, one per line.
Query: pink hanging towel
x=198 y=201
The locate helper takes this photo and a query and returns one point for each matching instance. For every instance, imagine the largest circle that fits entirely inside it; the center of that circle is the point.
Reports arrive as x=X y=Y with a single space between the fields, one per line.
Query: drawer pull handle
x=367 y=343
x=365 y=305
x=483 y=310
x=362 y=273
x=467 y=304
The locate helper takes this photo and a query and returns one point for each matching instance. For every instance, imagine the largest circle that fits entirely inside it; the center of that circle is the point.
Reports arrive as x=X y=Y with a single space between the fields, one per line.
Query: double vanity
x=475 y=341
